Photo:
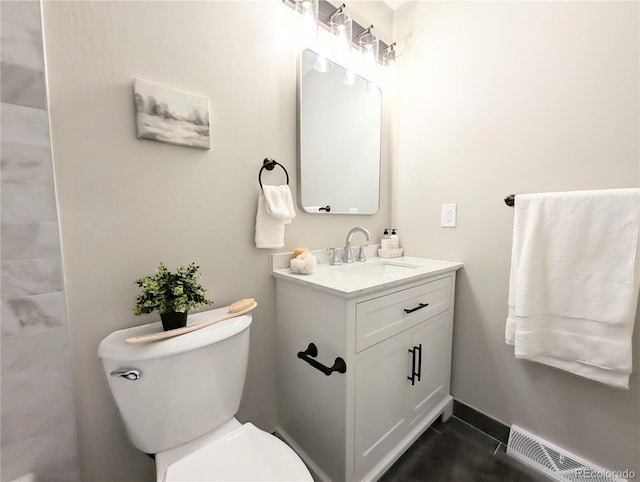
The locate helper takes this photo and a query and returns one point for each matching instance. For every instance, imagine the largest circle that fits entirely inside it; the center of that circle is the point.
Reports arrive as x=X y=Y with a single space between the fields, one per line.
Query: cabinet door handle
x=413 y=366
x=419 y=348
x=419 y=307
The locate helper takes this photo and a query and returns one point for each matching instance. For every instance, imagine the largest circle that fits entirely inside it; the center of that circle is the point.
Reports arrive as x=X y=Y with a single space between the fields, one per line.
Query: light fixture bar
x=326 y=10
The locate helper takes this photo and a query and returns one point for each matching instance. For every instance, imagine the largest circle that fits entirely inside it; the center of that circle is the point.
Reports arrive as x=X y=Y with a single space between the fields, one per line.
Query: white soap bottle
x=386 y=242
x=395 y=239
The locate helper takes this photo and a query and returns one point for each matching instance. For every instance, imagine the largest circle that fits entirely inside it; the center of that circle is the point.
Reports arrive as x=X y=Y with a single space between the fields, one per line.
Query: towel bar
x=339 y=364
x=510 y=200
x=269 y=164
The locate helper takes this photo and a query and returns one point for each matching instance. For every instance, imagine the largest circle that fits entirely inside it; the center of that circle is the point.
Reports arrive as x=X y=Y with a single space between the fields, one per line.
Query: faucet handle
x=335 y=259
x=361 y=257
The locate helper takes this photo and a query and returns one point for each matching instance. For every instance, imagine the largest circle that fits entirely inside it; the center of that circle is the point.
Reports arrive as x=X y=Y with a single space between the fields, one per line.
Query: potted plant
x=171 y=294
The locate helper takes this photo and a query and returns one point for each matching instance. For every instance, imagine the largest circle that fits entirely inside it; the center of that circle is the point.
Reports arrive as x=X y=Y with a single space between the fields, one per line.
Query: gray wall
x=496 y=98
x=37 y=416
x=127 y=204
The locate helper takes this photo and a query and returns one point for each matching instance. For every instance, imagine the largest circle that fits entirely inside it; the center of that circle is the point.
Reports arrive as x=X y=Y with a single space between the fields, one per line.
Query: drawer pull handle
x=419 y=307
x=339 y=365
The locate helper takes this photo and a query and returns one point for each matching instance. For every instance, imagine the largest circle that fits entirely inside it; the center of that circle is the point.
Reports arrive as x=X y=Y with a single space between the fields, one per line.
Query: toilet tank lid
x=114 y=347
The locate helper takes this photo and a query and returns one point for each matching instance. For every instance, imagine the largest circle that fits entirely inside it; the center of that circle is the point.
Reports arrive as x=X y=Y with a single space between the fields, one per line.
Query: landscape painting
x=170 y=115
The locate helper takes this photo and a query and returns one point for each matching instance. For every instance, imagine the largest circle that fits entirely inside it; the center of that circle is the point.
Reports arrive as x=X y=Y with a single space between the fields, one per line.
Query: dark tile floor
x=457 y=452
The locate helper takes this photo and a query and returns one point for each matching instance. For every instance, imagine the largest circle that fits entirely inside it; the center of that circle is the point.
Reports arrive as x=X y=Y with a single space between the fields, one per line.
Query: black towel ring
x=269 y=164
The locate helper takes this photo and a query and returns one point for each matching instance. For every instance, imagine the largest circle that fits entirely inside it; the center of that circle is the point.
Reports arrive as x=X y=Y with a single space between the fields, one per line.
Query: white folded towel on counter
x=275 y=209
x=574 y=281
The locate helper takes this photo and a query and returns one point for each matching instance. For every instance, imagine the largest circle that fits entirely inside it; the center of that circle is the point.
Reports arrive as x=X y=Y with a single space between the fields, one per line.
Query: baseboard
x=481 y=421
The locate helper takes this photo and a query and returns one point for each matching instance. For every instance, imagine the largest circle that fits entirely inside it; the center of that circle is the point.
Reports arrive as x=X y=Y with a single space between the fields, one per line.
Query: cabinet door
x=380 y=401
x=435 y=369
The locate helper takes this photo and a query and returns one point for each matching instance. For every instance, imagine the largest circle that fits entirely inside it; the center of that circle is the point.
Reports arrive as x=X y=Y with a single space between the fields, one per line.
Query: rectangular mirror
x=339 y=128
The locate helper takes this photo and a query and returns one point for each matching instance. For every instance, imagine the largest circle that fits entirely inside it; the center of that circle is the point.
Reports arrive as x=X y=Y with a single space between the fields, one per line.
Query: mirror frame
x=299 y=137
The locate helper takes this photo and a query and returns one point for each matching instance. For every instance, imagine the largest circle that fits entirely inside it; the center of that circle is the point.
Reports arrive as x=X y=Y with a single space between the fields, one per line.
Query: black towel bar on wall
x=269 y=164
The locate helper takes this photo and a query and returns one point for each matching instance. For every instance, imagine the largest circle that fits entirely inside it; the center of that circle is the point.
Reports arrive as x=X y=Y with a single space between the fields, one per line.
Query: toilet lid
x=245 y=454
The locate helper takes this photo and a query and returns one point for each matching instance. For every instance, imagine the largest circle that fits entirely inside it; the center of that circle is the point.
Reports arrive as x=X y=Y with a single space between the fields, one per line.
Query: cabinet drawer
x=379 y=318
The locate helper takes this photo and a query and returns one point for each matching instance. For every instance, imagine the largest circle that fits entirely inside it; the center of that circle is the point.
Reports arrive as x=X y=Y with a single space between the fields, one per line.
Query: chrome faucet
x=335 y=257
x=347 y=255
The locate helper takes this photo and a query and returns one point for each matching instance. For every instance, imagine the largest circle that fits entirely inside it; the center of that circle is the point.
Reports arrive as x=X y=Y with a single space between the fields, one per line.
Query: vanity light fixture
x=322 y=13
x=369 y=44
x=341 y=27
x=309 y=11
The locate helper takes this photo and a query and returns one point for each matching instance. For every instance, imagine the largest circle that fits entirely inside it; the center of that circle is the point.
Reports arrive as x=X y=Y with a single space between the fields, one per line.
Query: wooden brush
x=238 y=308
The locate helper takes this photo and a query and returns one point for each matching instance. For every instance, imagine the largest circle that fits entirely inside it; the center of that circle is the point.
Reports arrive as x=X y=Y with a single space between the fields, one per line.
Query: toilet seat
x=245 y=454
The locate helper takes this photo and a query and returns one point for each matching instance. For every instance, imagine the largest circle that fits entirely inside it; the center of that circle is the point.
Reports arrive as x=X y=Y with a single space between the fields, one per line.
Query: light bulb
x=369 y=46
x=309 y=11
x=341 y=27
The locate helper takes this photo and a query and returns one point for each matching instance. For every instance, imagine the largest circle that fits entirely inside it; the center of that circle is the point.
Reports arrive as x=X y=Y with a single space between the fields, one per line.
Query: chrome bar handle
x=128 y=373
x=361 y=257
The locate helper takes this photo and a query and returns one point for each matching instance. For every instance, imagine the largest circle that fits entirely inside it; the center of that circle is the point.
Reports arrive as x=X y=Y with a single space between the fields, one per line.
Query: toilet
x=178 y=399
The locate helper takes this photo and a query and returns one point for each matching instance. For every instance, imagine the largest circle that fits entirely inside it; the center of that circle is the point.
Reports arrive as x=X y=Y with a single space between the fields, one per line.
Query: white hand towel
x=279 y=202
x=574 y=281
x=269 y=230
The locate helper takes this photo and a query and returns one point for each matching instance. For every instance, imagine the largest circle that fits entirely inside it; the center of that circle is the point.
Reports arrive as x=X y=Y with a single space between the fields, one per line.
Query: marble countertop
x=362 y=278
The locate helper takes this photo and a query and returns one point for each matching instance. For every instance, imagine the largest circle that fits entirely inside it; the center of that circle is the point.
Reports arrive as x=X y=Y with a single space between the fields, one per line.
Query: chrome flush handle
x=128 y=373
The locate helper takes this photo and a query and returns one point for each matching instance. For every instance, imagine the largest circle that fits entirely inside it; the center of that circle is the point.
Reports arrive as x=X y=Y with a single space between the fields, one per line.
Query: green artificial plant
x=167 y=292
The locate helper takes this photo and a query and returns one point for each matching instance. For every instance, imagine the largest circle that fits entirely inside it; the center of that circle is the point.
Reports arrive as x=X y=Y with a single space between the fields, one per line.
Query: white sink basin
x=375 y=270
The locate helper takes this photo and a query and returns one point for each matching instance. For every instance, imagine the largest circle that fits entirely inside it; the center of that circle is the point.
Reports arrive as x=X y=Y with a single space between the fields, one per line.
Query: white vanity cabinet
x=396 y=342
x=388 y=405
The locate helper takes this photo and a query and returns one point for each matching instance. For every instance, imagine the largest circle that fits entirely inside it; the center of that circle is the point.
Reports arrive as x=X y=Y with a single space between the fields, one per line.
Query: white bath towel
x=269 y=230
x=574 y=281
x=279 y=202
x=275 y=209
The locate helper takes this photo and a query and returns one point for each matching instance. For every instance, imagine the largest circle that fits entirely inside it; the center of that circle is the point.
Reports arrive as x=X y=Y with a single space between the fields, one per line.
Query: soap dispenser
x=395 y=239
x=386 y=242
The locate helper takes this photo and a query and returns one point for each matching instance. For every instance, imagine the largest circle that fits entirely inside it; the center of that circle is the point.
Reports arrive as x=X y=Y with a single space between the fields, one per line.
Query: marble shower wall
x=38 y=422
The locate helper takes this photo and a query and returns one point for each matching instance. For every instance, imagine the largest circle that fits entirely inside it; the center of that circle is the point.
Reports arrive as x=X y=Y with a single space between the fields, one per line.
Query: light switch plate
x=448 y=216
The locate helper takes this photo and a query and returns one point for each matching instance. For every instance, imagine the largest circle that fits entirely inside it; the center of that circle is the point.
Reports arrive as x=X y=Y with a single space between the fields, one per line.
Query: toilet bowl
x=178 y=399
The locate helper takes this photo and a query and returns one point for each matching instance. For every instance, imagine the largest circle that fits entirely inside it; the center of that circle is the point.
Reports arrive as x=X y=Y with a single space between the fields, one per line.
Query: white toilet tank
x=177 y=389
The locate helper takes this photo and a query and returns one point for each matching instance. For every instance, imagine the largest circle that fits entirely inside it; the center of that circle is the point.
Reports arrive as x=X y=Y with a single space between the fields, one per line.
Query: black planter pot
x=173 y=319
